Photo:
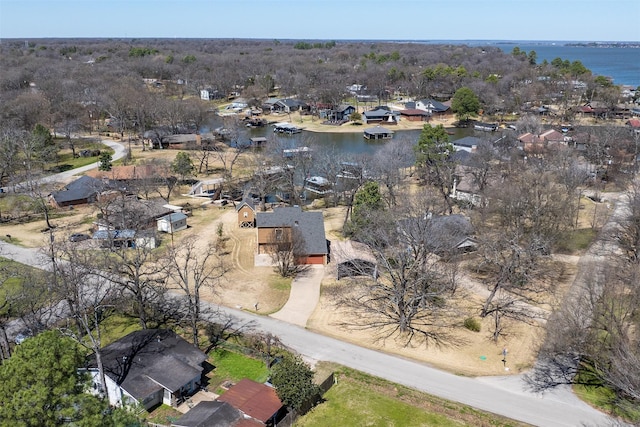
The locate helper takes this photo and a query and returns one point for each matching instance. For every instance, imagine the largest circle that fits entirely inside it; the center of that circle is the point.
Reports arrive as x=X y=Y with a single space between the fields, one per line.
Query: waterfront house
x=468 y=143
x=415 y=115
x=382 y=114
x=431 y=106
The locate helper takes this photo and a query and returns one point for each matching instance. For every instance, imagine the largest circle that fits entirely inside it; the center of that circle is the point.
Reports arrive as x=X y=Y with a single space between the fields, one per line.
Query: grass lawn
x=603 y=398
x=577 y=241
x=66 y=161
x=117 y=326
x=231 y=366
x=163 y=414
x=280 y=290
x=361 y=400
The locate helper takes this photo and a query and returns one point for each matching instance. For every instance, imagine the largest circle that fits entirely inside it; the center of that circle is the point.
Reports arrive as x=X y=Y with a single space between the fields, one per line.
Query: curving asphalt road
x=501 y=395
x=119 y=152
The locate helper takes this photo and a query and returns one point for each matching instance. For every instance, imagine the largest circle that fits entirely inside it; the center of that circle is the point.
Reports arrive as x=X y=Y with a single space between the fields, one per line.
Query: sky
x=560 y=20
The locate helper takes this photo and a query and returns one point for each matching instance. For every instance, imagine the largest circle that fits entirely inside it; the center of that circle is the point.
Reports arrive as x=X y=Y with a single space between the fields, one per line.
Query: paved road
x=119 y=152
x=504 y=396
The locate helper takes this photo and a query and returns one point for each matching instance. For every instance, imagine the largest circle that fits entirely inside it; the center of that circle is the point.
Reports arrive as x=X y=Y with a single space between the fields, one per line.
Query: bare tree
x=286 y=247
x=191 y=269
x=519 y=228
x=591 y=340
x=134 y=269
x=391 y=165
x=410 y=296
x=90 y=297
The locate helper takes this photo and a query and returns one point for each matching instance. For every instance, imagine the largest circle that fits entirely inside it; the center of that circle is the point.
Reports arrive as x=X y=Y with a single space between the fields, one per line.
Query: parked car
x=22 y=335
x=78 y=237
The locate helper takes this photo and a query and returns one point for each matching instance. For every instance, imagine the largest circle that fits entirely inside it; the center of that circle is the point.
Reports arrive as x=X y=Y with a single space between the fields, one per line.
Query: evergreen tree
x=182 y=165
x=465 y=104
x=433 y=159
x=105 y=162
x=367 y=202
x=293 y=381
x=41 y=385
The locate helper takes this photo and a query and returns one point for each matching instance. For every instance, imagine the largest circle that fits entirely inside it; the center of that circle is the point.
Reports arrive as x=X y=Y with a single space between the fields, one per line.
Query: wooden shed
x=246 y=214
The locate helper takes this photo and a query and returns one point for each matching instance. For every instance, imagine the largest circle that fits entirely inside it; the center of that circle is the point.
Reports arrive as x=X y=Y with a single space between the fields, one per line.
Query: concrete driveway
x=303 y=298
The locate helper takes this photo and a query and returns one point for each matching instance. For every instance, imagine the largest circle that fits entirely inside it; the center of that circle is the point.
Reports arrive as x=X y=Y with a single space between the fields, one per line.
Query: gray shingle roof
x=144 y=360
x=209 y=414
x=310 y=224
x=82 y=188
x=377 y=130
x=174 y=217
x=437 y=106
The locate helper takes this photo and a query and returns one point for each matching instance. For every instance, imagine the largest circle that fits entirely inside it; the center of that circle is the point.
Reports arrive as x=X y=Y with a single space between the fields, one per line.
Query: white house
x=149 y=367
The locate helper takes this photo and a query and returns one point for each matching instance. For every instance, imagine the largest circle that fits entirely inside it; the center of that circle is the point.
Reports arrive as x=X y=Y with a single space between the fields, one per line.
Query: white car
x=22 y=335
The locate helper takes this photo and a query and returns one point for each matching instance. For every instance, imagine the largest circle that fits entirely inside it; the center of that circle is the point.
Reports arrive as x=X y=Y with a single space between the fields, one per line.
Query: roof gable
x=434 y=105
x=84 y=187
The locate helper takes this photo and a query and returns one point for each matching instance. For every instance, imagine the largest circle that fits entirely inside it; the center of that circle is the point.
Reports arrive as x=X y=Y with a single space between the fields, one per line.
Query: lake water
x=620 y=64
x=353 y=144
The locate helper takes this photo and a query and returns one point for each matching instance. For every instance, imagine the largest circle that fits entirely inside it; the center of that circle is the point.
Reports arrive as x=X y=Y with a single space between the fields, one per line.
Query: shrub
x=472 y=324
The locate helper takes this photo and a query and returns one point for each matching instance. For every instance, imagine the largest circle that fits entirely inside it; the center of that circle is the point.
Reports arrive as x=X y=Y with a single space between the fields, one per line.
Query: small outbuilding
x=173 y=222
x=246 y=213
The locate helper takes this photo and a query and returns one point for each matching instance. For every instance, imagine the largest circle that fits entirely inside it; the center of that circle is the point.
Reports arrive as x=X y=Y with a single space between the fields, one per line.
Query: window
x=246 y=214
x=279 y=234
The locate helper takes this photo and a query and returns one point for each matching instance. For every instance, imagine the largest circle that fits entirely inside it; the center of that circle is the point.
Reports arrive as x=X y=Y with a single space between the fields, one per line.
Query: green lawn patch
x=163 y=414
x=576 y=241
x=65 y=160
x=117 y=326
x=231 y=366
x=280 y=290
x=605 y=399
x=362 y=400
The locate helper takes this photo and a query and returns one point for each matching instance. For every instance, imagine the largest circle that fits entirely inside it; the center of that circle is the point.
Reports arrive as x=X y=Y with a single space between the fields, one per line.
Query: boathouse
x=378 y=132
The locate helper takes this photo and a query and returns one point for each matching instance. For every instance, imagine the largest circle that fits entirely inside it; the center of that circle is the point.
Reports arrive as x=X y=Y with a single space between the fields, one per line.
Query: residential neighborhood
x=190 y=269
